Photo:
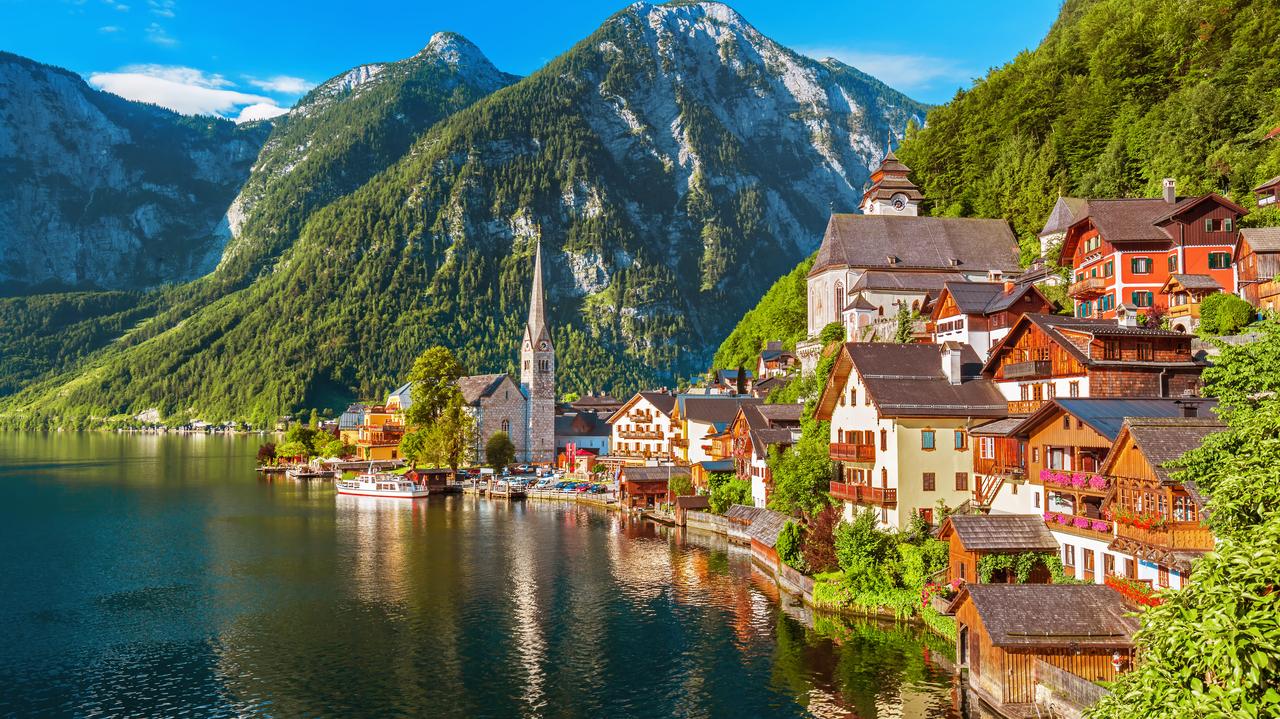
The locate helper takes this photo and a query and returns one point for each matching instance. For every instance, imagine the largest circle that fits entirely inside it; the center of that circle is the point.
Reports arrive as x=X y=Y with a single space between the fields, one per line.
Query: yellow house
x=378 y=435
x=900 y=419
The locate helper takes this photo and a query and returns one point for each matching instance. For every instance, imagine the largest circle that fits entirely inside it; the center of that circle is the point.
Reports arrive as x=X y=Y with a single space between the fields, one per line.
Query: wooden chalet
x=755 y=429
x=1050 y=356
x=999 y=465
x=1268 y=192
x=980 y=314
x=1258 y=265
x=1006 y=633
x=775 y=360
x=642 y=430
x=1183 y=294
x=974 y=536
x=1159 y=521
x=644 y=487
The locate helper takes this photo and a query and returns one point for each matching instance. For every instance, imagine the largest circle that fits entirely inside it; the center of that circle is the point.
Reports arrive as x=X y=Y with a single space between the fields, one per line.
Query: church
x=871 y=263
x=525 y=410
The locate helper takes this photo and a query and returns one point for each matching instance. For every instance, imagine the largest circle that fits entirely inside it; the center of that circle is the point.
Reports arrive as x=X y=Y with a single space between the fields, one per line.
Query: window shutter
x=1208 y=224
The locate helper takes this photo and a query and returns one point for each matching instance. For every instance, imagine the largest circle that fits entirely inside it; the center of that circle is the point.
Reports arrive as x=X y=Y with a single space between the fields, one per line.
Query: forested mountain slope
x=672 y=164
x=1120 y=94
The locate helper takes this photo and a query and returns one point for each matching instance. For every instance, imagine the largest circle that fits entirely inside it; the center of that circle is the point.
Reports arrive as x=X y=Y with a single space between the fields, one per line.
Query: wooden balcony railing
x=1173 y=536
x=1028 y=369
x=1095 y=527
x=631 y=434
x=1088 y=287
x=850 y=452
x=863 y=494
x=370 y=438
x=1025 y=406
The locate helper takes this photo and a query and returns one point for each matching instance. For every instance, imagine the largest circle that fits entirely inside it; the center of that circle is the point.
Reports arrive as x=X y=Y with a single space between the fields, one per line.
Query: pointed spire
x=536 y=330
x=888 y=147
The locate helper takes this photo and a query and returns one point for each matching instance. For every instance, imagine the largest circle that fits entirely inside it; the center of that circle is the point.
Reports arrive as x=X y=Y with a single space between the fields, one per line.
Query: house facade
x=642 y=431
x=900 y=418
x=1258 y=263
x=753 y=432
x=980 y=314
x=1123 y=251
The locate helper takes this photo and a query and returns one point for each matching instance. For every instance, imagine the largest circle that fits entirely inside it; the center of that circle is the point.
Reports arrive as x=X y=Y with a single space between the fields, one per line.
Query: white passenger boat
x=381 y=484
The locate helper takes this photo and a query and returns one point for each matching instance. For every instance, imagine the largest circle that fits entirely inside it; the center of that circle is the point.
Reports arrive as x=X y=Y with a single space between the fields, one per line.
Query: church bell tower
x=890 y=192
x=538 y=374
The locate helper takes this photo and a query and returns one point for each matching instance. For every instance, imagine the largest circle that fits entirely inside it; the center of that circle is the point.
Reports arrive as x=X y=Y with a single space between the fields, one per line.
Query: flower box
x=1140 y=593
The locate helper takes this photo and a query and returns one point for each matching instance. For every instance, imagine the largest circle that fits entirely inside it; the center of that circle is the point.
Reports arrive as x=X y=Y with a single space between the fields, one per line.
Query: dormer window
x=891 y=259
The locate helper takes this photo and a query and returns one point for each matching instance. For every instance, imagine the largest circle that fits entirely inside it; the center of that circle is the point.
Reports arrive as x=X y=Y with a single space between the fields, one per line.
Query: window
x=987 y=447
x=927 y=440
x=1173 y=263
x=1142 y=298
x=884 y=441
x=962 y=481
x=1164 y=575
x=962 y=441
x=506 y=426
x=1228 y=225
x=1111 y=349
x=1035 y=497
x=884 y=476
x=1106 y=302
x=1109 y=268
x=1141 y=265
x=1068 y=555
x=853 y=396
x=1066 y=421
x=1219 y=260
x=929 y=481
x=1209 y=224
x=1108 y=564
x=1074 y=388
x=1035 y=455
x=1088 y=560
x=1145 y=352
x=839 y=297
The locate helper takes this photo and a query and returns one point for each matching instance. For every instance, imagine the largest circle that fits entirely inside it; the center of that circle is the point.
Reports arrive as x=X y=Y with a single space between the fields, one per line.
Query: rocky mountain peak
x=455 y=50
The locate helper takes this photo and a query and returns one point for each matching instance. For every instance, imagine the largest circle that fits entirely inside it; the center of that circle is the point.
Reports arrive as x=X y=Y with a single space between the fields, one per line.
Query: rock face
x=100 y=192
x=673 y=164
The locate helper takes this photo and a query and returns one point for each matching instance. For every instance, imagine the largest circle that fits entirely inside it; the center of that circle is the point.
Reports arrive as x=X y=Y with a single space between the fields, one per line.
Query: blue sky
x=223 y=57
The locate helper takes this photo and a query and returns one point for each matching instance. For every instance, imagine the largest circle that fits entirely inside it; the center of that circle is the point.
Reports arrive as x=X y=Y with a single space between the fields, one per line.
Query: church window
x=839 y=297
x=544 y=365
x=506 y=426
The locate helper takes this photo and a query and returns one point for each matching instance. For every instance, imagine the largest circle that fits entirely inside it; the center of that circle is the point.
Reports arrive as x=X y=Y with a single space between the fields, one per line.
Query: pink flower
x=1097 y=482
x=1064 y=519
x=1100 y=526
x=1048 y=516
x=1080 y=523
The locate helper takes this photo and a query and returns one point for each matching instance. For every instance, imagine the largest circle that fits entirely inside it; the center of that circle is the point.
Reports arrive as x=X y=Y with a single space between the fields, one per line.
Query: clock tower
x=538 y=375
x=890 y=192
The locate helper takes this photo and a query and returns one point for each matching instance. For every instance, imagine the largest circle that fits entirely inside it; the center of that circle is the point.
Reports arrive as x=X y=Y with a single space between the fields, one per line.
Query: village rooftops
x=907 y=380
x=716 y=410
x=1073 y=334
x=1052 y=615
x=1130 y=220
x=921 y=243
x=1262 y=239
x=1065 y=213
x=881 y=280
x=663 y=402
x=985 y=298
x=1192 y=283
x=1106 y=415
x=653 y=474
x=581 y=424
x=999 y=428
x=1274 y=182
x=1000 y=533
x=478 y=386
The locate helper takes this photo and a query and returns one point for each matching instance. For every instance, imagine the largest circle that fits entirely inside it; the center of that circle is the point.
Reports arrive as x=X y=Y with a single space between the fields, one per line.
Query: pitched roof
x=693 y=501
x=592 y=401
x=889 y=280
x=763 y=439
x=907 y=381
x=664 y=402
x=1165 y=439
x=999 y=428
x=766 y=525
x=653 y=474
x=1106 y=415
x=1130 y=219
x=907 y=242
x=1066 y=212
x=714 y=409
x=1273 y=181
x=1262 y=239
x=1001 y=532
x=1055 y=326
x=1091 y=616
x=985 y=298
x=581 y=424
x=781 y=413
x=716 y=465
x=535 y=329
x=1193 y=282
x=478 y=386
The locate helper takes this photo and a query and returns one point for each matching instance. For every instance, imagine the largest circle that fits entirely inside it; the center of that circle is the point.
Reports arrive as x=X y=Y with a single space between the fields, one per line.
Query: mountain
x=1119 y=95
x=101 y=192
x=673 y=164
x=344 y=132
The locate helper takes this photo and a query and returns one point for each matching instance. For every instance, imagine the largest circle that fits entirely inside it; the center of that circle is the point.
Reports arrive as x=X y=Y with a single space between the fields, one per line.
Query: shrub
x=1224 y=314
x=820 y=541
x=790 y=545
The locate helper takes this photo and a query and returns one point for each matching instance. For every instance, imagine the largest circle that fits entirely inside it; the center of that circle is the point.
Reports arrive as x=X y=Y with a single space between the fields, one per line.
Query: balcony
x=1076 y=482
x=1025 y=406
x=849 y=452
x=863 y=494
x=1092 y=527
x=631 y=434
x=1088 y=288
x=1028 y=369
x=680 y=442
x=379 y=438
x=1185 y=536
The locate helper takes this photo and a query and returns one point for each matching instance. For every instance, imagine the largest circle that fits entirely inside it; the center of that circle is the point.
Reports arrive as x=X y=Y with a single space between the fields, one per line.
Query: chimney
x=1127 y=315
x=1008 y=286
x=951 y=364
x=1189 y=408
x=994 y=275
x=1170 y=190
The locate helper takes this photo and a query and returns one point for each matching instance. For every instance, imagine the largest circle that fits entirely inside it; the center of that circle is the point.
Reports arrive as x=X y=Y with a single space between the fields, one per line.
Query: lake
x=160 y=576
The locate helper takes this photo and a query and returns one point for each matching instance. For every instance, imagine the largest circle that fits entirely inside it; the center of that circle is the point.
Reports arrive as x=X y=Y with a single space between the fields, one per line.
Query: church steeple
x=890 y=191
x=535 y=331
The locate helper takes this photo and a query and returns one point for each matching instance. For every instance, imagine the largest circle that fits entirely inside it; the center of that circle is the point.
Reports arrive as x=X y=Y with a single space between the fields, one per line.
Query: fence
x=1063 y=691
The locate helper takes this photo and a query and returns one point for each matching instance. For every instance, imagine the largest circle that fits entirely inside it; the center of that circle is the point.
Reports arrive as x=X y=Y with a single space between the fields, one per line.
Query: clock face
x=899 y=202
x=527 y=344
x=543 y=345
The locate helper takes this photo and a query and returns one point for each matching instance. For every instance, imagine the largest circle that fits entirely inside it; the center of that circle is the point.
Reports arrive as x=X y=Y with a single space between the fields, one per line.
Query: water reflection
x=185 y=584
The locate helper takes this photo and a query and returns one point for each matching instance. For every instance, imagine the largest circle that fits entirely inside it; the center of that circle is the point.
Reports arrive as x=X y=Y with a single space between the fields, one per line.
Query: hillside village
x=946 y=393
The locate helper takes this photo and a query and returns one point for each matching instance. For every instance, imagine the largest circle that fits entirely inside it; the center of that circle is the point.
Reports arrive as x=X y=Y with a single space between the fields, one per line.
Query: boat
x=382 y=484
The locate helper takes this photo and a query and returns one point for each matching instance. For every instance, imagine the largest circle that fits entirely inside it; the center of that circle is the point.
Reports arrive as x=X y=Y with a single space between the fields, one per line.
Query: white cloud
x=116 y=5
x=260 y=111
x=283 y=84
x=160 y=36
x=901 y=72
x=109 y=28
x=163 y=8
x=186 y=90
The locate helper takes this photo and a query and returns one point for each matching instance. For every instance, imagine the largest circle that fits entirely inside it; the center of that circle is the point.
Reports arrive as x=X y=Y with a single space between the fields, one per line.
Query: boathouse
x=974 y=536
x=1006 y=632
x=643 y=487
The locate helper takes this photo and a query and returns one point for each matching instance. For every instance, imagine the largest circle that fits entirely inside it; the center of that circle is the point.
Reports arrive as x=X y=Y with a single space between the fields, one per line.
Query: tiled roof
x=1269 y=183
x=907 y=381
x=1089 y=616
x=1195 y=282
x=906 y=242
x=1066 y=211
x=889 y=280
x=763 y=439
x=714 y=409
x=782 y=413
x=478 y=386
x=581 y=424
x=1163 y=440
x=999 y=428
x=1124 y=220
x=593 y=401
x=1002 y=532
x=984 y=298
x=1106 y=415
x=653 y=474
x=663 y=401
x=766 y=525
x=1262 y=239
x=1055 y=325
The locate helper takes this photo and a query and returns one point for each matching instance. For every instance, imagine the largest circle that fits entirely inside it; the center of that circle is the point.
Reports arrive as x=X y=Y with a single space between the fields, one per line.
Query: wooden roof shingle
x=1001 y=533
